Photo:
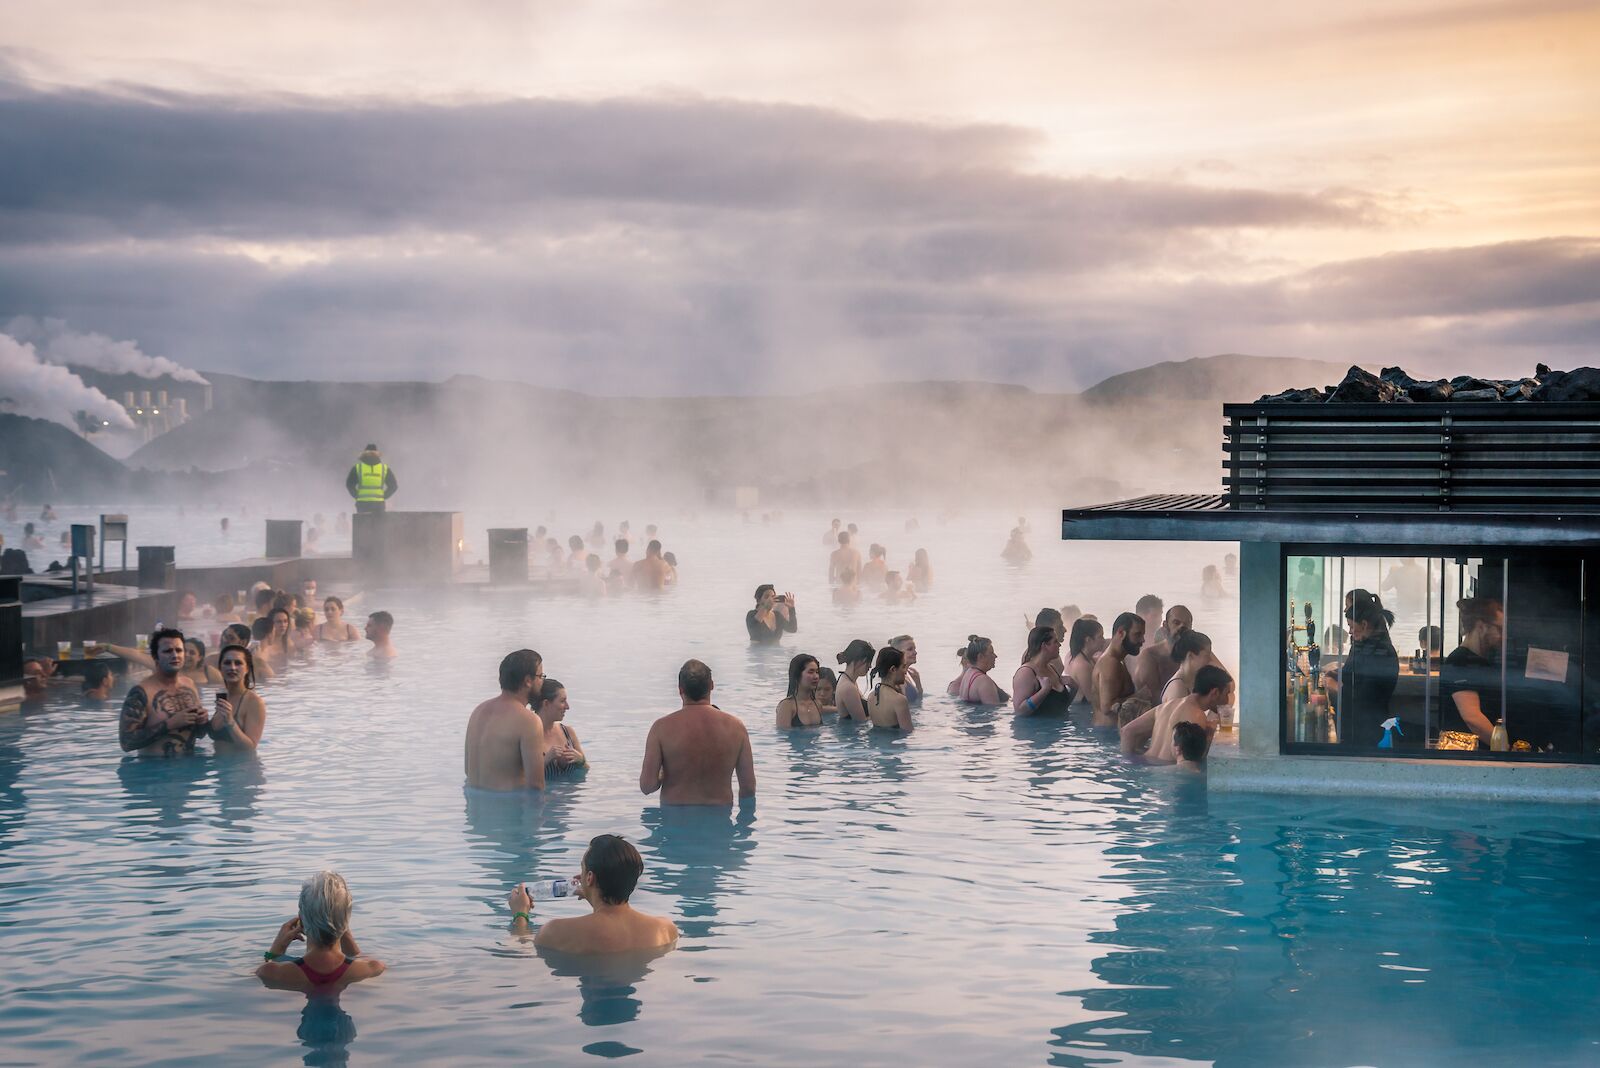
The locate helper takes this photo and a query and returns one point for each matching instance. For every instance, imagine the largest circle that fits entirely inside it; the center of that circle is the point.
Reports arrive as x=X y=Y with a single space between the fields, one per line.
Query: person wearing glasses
x=505 y=737
x=1362 y=686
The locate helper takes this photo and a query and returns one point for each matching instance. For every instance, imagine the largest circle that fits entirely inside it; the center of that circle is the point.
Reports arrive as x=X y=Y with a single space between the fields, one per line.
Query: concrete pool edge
x=1230 y=771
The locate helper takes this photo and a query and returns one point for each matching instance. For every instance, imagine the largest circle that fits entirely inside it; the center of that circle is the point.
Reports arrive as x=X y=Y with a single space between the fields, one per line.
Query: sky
x=743 y=197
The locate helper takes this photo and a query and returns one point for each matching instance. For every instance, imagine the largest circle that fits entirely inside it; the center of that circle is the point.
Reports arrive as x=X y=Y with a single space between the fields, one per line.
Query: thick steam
x=59 y=344
x=47 y=391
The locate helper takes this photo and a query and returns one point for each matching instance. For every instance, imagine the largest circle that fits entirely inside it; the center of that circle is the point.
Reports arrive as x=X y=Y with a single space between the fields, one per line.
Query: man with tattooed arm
x=162 y=715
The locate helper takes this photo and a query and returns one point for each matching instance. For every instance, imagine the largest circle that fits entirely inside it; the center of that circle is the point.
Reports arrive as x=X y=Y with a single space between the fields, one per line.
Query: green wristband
x=269 y=956
x=521 y=916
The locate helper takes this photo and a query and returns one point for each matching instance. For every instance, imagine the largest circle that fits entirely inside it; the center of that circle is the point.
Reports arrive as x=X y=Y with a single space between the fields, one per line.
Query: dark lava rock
x=1435 y=392
x=1475 y=395
x=1364 y=387
x=1541 y=369
x=1461 y=382
x=1397 y=376
x=1579 y=384
x=1295 y=396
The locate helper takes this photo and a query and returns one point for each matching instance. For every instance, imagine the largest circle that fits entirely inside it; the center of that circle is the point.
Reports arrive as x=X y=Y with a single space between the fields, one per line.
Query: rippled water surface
x=986 y=891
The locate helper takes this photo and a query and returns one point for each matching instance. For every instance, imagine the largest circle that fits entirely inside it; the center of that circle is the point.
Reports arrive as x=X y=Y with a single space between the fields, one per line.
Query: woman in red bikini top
x=332 y=959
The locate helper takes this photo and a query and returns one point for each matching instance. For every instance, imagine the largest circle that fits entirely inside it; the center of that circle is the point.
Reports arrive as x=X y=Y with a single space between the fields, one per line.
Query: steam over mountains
x=467 y=439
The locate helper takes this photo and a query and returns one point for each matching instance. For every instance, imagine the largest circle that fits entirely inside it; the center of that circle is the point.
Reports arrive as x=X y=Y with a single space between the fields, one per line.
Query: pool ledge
x=1230 y=771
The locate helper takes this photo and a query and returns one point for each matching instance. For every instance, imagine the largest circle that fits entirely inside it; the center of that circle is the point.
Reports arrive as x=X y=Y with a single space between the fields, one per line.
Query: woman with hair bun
x=1362 y=686
x=855 y=659
x=974 y=683
x=888 y=708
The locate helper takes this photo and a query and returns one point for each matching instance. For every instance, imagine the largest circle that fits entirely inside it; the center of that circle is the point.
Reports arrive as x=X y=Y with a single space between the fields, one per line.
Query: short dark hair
x=694 y=679
x=575 y=542
x=844 y=537
x=1475 y=610
x=382 y=619
x=621 y=545
x=264 y=599
x=1211 y=678
x=522 y=664
x=162 y=635
x=653 y=547
x=1047 y=617
x=1148 y=603
x=94 y=673
x=615 y=864
x=239 y=631
x=1190 y=741
x=260 y=628
x=1127 y=621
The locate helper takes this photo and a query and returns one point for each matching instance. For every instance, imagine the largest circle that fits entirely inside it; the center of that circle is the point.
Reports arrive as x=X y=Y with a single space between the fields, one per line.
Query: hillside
x=1219 y=379
x=41 y=460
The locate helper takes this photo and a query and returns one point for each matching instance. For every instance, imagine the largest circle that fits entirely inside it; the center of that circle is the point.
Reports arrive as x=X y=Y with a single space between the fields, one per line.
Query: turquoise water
x=986 y=891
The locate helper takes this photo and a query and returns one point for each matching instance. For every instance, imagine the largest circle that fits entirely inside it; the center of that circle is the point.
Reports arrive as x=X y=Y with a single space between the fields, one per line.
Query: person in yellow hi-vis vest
x=371 y=481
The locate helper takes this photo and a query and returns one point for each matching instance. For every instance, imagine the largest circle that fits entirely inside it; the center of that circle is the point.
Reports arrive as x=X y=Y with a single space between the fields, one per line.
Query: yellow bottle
x=1497 y=740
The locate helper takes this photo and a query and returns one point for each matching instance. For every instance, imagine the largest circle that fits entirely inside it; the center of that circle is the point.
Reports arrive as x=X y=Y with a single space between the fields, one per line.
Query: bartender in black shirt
x=1470 y=678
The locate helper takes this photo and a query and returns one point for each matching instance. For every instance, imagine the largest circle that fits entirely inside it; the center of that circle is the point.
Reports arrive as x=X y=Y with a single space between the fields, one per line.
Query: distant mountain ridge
x=1226 y=378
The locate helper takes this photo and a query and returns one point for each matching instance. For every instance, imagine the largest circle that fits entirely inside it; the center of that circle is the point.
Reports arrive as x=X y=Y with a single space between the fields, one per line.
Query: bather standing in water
x=563 y=751
x=974 y=683
x=240 y=715
x=1113 y=685
x=505 y=746
x=847 y=592
x=800 y=707
x=1155 y=664
x=1016 y=550
x=1038 y=686
x=920 y=574
x=843 y=558
x=162 y=715
x=693 y=754
x=887 y=707
x=332 y=960
x=856 y=659
x=334 y=628
x=651 y=573
x=606 y=880
x=379 y=626
x=876 y=569
x=620 y=568
x=1213 y=688
x=827 y=689
x=908 y=651
x=772 y=617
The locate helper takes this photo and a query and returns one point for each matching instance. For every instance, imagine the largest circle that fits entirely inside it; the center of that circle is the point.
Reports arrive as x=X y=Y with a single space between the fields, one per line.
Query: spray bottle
x=1391 y=727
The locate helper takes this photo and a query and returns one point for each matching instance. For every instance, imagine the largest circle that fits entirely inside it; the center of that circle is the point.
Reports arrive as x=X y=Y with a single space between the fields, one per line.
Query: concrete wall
x=1475 y=780
x=1260 y=647
x=407 y=548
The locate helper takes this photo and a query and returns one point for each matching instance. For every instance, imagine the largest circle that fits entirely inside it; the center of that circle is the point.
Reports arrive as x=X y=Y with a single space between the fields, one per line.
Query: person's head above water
x=763 y=591
x=1040 y=637
x=575 y=543
x=1178 y=619
x=168 y=650
x=611 y=867
x=550 y=699
x=1189 y=739
x=1128 y=629
x=522 y=672
x=694 y=682
x=890 y=666
x=844 y=537
x=653 y=549
x=907 y=646
x=980 y=652
x=1049 y=617
x=876 y=552
x=1087 y=637
x=802 y=665
x=1190 y=643
x=1212 y=686
x=97 y=676
x=236 y=663
x=621 y=545
x=324 y=909
x=379 y=624
x=857 y=652
x=592 y=564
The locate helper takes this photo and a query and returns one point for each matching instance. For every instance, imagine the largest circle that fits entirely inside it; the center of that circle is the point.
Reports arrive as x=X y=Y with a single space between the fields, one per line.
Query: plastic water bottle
x=549 y=889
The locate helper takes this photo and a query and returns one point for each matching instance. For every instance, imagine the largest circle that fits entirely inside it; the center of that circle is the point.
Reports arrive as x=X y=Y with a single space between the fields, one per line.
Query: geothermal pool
x=986 y=891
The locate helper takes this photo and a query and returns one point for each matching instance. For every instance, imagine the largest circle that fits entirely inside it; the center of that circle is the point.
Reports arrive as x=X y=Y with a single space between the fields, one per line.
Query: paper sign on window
x=1550 y=665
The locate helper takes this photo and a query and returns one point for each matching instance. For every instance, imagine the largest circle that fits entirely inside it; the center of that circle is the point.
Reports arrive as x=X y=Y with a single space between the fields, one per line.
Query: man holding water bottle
x=610 y=870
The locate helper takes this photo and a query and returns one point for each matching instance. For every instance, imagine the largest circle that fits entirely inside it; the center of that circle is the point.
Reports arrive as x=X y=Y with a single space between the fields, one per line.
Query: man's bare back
x=692 y=755
x=650 y=574
x=505 y=746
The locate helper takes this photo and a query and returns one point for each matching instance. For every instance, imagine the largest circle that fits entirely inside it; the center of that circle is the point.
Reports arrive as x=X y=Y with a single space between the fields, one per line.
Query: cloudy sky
x=748 y=197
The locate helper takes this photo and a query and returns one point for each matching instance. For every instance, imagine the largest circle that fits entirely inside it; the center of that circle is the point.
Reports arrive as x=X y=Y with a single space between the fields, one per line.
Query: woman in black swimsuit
x=772 y=617
x=563 y=751
x=1038 y=687
x=801 y=707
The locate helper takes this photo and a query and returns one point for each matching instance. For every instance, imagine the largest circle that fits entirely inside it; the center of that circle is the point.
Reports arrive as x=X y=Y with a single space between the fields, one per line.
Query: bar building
x=1476 y=523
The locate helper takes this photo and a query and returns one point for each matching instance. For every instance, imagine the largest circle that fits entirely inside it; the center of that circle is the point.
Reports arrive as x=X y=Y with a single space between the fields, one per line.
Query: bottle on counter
x=1498 y=741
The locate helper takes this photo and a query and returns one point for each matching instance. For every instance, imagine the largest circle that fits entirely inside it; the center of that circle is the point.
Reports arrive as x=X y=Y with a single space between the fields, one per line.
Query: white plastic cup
x=63 y=650
x=142 y=641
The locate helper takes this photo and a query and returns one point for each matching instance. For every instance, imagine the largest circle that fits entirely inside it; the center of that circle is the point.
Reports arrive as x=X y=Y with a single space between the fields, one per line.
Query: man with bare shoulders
x=1113 y=685
x=610 y=872
x=692 y=754
x=505 y=738
x=845 y=558
x=1213 y=688
x=162 y=714
x=380 y=625
x=619 y=569
x=1154 y=664
x=652 y=572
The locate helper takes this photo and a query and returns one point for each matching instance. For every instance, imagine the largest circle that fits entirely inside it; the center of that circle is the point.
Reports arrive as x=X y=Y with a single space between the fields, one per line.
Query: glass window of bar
x=1458 y=655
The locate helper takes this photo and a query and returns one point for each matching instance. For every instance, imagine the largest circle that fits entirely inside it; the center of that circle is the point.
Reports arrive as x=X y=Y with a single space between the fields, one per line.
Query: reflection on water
x=692 y=853
x=986 y=890
x=326 y=1031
